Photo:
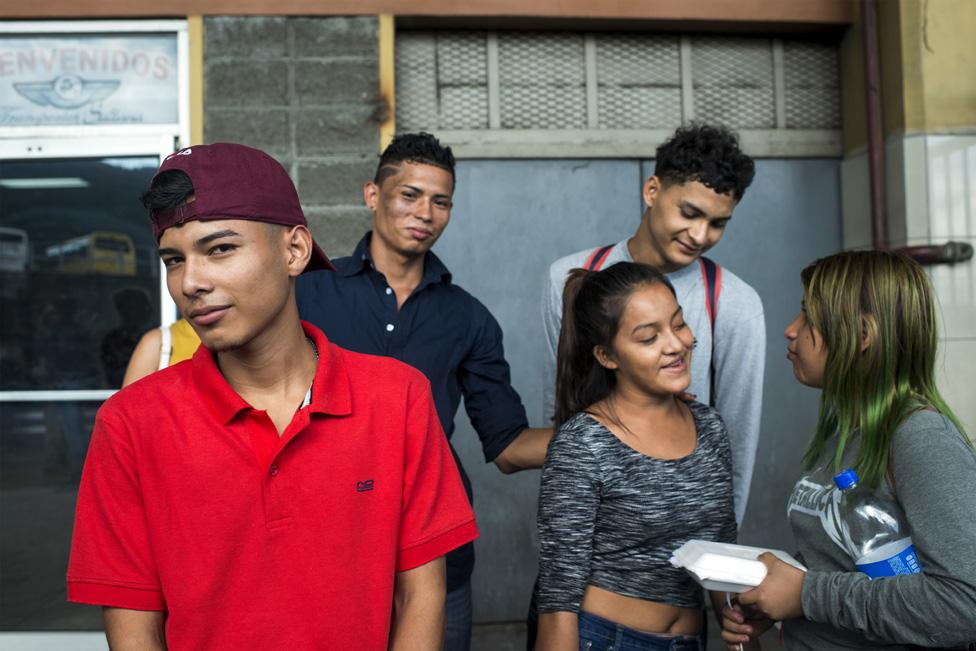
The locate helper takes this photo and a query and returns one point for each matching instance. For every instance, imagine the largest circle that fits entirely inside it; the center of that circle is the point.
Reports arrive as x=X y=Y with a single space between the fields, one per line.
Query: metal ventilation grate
x=467 y=82
x=542 y=80
x=638 y=81
x=462 y=79
x=733 y=82
x=810 y=72
x=416 y=81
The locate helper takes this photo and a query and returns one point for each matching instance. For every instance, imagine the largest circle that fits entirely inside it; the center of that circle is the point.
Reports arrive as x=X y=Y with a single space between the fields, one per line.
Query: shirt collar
x=331 y=393
x=434 y=269
x=359 y=260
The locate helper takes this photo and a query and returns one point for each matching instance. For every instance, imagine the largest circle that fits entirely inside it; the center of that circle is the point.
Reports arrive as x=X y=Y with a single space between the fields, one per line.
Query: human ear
x=604 y=358
x=650 y=191
x=868 y=331
x=371 y=194
x=299 y=244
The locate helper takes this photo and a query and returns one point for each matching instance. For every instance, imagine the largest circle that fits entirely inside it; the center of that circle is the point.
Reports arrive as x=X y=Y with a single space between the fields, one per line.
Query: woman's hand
x=738 y=628
x=778 y=596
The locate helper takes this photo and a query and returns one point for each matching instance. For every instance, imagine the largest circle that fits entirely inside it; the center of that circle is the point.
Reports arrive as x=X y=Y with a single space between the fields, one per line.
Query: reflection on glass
x=79 y=274
x=42 y=446
x=79 y=284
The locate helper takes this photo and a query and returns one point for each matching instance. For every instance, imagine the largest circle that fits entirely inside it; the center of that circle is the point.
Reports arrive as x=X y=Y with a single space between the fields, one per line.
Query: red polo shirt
x=191 y=503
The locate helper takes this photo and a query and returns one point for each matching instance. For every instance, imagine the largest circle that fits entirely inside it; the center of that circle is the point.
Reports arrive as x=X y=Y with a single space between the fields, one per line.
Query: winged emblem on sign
x=66 y=91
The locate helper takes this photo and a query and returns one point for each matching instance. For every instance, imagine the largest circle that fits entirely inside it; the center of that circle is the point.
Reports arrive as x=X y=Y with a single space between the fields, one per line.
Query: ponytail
x=573 y=361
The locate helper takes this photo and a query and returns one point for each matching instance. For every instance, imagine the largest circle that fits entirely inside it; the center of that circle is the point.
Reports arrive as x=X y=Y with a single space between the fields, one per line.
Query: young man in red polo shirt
x=276 y=491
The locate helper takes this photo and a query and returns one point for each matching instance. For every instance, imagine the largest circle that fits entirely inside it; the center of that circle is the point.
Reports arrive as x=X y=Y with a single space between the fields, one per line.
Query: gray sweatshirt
x=935 y=475
x=739 y=352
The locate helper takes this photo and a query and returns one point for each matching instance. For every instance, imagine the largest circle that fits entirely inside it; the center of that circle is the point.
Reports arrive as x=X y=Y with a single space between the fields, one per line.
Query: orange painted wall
x=819 y=12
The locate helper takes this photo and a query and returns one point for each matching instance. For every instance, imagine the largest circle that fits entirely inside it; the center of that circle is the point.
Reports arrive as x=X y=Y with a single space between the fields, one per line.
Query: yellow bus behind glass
x=98 y=252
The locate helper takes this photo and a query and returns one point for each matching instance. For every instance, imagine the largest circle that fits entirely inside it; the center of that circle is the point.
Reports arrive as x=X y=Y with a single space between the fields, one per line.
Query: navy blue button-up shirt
x=441 y=330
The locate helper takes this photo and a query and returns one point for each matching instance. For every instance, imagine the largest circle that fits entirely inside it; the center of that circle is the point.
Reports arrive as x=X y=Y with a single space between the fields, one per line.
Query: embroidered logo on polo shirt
x=363 y=486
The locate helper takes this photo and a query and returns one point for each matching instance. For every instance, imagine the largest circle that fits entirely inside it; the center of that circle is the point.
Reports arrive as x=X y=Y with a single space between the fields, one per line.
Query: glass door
x=80 y=282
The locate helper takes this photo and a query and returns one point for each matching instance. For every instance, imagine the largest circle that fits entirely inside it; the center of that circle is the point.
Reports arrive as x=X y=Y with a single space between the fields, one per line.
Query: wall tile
x=914 y=208
x=264 y=129
x=955 y=287
x=952 y=186
x=338 y=230
x=334 y=182
x=336 y=37
x=239 y=83
x=336 y=130
x=248 y=37
x=956 y=376
x=335 y=82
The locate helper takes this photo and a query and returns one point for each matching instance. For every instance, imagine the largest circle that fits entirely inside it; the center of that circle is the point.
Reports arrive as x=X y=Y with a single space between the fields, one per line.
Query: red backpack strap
x=597 y=258
x=712 y=275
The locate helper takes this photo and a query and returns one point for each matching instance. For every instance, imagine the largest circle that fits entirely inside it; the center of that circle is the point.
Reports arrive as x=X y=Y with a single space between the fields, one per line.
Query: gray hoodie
x=935 y=482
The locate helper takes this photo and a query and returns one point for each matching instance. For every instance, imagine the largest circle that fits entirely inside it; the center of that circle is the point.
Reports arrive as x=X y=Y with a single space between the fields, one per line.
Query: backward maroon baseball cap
x=235 y=182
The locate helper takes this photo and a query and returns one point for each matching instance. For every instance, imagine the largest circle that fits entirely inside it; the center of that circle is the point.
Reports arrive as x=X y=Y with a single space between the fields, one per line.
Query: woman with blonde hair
x=867 y=336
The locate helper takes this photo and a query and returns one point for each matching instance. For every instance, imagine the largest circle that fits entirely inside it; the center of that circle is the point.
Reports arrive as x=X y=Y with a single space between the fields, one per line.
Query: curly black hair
x=708 y=154
x=413 y=148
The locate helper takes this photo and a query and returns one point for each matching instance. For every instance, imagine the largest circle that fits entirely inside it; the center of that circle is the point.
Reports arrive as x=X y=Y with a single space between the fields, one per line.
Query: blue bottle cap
x=846 y=479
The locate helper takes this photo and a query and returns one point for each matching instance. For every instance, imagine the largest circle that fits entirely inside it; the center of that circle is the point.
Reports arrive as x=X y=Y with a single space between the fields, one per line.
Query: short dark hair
x=168 y=191
x=708 y=154
x=413 y=148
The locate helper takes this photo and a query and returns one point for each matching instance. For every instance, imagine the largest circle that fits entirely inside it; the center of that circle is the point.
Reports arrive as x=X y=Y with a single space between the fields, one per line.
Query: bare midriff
x=641 y=614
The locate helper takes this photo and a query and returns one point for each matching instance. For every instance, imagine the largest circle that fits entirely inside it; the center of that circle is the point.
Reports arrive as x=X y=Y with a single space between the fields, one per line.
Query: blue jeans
x=457 y=637
x=598 y=634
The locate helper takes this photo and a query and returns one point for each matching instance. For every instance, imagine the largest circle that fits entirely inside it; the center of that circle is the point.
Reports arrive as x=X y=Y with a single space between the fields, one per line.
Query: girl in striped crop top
x=632 y=473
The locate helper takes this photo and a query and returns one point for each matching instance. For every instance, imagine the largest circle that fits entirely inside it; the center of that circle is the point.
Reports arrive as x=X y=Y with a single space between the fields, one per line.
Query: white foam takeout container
x=723 y=567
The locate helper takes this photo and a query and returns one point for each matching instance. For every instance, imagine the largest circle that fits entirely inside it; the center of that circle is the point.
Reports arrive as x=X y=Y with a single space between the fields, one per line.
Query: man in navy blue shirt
x=394 y=297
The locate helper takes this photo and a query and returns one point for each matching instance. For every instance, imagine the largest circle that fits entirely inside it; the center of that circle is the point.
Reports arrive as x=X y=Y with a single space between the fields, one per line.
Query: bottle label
x=904 y=562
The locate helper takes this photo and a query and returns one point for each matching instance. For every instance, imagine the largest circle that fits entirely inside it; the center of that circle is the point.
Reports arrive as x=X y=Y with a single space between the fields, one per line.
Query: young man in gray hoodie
x=700 y=176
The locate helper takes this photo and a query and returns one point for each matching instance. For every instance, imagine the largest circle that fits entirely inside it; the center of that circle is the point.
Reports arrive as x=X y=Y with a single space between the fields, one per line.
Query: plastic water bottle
x=874 y=530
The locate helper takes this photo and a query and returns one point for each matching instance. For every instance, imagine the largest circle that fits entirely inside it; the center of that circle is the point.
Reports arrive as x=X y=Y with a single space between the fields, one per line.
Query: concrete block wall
x=306 y=90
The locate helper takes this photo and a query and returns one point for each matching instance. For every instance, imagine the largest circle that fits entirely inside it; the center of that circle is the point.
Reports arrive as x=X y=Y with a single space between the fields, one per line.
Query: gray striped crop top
x=610 y=516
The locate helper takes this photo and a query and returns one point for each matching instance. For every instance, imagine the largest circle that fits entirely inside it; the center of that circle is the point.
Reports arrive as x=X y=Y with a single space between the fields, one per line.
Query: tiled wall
x=931 y=195
x=951 y=167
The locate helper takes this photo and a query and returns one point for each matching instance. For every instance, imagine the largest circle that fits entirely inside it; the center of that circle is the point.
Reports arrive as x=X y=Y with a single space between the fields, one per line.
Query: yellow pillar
x=387 y=34
x=195 y=35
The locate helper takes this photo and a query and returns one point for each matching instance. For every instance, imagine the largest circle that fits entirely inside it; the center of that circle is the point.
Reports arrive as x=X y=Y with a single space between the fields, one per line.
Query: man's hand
x=418 y=608
x=526 y=451
x=778 y=596
x=738 y=628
